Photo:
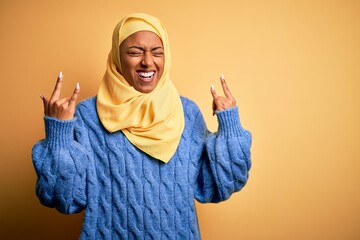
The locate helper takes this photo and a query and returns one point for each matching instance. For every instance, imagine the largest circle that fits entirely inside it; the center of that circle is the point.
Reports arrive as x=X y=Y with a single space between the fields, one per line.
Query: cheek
x=125 y=63
x=127 y=66
x=160 y=65
x=127 y=72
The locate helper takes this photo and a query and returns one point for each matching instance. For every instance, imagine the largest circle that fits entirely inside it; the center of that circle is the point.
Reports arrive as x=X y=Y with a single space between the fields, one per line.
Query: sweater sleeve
x=225 y=160
x=61 y=163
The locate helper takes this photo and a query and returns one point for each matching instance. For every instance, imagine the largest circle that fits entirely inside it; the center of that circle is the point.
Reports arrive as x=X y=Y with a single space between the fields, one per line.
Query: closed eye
x=157 y=52
x=135 y=53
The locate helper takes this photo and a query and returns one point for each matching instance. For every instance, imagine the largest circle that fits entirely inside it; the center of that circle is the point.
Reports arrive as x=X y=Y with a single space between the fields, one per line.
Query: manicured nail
x=212 y=88
x=60 y=75
x=222 y=78
x=77 y=86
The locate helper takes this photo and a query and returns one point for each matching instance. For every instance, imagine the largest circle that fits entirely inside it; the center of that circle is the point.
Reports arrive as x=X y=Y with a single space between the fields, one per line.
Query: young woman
x=136 y=155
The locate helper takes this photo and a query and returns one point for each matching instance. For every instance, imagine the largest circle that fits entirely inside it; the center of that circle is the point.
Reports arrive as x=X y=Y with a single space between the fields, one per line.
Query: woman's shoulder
x=189 y=105
x=191 y=110
x=87 y=103
x=87 y=106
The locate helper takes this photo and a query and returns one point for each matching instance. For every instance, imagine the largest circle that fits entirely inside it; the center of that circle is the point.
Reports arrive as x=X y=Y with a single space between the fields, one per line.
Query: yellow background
x=294 y=67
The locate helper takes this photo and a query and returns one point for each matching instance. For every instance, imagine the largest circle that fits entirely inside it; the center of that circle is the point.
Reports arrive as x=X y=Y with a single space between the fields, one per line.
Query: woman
x=137 y=155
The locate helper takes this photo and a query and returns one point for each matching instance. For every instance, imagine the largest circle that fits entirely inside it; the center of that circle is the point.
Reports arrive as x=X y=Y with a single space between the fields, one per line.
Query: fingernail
x=77 y=86
x=60 y=75
x=212 y=88
x=41 y=96
x=222 y=78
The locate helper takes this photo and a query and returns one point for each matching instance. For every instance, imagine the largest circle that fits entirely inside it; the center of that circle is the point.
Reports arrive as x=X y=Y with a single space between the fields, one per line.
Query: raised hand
x=220 y=102
x=60 y=108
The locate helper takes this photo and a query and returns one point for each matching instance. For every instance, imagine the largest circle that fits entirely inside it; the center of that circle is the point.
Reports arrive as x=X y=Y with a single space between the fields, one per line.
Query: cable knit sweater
x=127 y=194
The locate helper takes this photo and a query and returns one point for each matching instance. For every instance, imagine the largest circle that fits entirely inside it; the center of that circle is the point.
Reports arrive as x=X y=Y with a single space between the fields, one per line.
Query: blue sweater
x=126 y=193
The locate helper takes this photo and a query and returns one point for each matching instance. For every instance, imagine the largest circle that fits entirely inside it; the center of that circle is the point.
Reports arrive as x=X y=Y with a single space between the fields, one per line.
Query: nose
x=147 y=59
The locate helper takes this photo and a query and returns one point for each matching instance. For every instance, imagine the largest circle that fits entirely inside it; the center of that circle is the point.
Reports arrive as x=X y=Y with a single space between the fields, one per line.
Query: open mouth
x=146 y=75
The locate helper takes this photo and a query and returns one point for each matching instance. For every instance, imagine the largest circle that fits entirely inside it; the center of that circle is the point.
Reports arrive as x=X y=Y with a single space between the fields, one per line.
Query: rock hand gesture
x=60 y=108
x=220 y=102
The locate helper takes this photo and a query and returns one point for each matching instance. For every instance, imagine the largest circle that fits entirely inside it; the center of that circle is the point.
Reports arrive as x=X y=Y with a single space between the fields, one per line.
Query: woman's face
x=142 y=60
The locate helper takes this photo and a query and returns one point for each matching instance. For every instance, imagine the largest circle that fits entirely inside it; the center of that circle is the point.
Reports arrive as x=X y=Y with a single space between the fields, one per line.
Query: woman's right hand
x=60 y=108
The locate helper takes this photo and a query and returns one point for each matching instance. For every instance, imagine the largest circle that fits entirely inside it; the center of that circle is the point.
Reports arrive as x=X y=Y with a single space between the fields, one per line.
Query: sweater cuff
x=229 y=123
x=59 y=133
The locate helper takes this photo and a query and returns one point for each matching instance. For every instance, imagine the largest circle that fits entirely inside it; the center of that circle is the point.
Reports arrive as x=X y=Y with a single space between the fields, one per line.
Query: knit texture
x=126 y=194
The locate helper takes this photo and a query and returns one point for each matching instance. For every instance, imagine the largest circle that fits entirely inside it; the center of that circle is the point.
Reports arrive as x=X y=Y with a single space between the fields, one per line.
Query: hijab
x=153 y=122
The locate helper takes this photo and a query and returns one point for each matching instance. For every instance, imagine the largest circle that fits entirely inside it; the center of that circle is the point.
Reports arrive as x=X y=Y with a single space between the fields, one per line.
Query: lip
x=146 y=79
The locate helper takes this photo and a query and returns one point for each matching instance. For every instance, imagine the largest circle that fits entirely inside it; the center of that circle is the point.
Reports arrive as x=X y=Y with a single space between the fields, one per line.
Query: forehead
x=143 y=38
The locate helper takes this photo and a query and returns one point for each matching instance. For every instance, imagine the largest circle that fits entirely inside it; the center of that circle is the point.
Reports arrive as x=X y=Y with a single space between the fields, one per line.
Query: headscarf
x=153 y=122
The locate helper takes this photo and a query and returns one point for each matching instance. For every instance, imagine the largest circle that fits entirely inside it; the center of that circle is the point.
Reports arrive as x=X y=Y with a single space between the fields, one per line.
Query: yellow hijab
x=154 y=121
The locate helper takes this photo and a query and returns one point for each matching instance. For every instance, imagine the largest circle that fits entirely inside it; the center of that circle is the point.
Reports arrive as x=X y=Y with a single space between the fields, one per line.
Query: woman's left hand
x=219 y=102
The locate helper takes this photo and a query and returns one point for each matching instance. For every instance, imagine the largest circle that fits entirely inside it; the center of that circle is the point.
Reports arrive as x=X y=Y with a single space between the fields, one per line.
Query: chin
x=145 y=89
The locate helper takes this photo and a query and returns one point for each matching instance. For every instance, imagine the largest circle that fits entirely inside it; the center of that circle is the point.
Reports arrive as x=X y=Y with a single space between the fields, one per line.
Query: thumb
x=45 y=103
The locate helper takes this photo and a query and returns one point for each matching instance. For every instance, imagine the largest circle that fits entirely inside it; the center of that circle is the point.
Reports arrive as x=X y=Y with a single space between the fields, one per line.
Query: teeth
x=146 y=74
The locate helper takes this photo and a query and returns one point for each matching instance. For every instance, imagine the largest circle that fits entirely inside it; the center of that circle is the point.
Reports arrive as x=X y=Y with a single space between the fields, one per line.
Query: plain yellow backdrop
x=293 y=66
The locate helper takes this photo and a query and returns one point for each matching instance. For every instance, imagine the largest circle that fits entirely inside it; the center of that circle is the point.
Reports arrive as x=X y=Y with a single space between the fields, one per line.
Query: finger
x=74 y=97
x=57 y=90
x=222 y=103
x=228 y=102
x=213 y=92
x=61 y=104
x=214 y=95
x=225 y=87
x=213 y=107
x=44 y=100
